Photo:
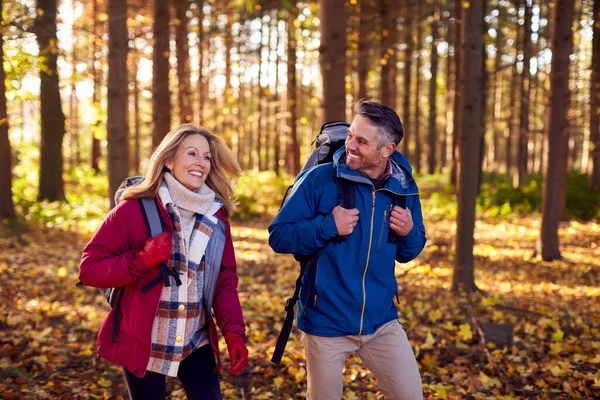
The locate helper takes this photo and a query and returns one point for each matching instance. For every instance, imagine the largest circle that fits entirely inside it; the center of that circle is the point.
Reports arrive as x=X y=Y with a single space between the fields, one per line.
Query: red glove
x=238 y=353
x=156 y=250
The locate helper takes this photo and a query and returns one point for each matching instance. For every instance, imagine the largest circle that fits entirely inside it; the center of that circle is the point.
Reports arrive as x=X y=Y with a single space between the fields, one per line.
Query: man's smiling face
x=364 y=152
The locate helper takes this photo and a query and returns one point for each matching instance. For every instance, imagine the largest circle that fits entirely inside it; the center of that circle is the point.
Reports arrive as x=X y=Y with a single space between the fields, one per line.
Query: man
x=346 y=301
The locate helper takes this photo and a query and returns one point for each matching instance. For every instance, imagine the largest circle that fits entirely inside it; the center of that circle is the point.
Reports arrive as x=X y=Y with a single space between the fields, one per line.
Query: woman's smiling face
x=191 y=163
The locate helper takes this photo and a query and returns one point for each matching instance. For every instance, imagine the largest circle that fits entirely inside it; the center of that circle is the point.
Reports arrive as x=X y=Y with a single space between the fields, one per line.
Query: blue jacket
x=351 y=290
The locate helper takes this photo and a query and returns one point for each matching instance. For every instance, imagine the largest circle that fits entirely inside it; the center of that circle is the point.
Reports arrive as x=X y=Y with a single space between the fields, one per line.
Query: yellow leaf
x=435 y=315
x=441 y=393
x=277 y=381
x=429 y=341
x=556 y=348
x=62 y=272
x=465 y=333
x=300 y=375
x=558 y=336
x=86 y=352
x=104 y=382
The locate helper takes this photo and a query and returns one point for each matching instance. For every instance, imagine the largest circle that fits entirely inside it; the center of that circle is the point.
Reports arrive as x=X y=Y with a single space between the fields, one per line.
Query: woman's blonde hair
x=224 y=168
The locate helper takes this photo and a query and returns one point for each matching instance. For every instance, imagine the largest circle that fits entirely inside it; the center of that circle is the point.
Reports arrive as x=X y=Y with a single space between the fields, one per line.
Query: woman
x=169 y=330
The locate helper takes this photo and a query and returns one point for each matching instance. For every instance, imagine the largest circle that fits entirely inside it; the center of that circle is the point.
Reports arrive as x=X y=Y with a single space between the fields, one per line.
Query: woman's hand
x=238 y=353
x=156 y=250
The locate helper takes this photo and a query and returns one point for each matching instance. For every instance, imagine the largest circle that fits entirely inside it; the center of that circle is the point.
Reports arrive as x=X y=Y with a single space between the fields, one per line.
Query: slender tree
x=52 y=116
x=364 y=30
x=7 y=209
x=182 y=50
x=200 y=85
x=161 y=95
x=388 y=53
x=522 y=148
x=458 y=111
x=332 y=58
x=470 y=140
x=407 y=26
x=95 y=152
x=135 y=162
x=417 y=113
x=118 y=146
x=432 y=137
x=594 y=164
x=293 y=151
x=555 y=177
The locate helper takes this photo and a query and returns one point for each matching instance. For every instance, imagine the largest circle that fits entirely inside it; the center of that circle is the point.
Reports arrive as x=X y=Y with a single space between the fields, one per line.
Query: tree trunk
x=388 y=53
x=470 y=140
x=417 y=113
x=332 y=59
x=95 y=151
x=52 y=117
x=522 y=149
x=458 y=111
x=74 y=103
x=293 y=151
x=228 y=92
x=118 y=146
x=258 y=159
x=408 y=19
x=200 y=84
x=135 y=165
x=7 y=208
x=555 y=178
x=432 y=159
x=498 y=85
x=594 y=159
x=276 y=99
x=161 y=96
x=183 y=62
x=364 y=30
x=448 y=95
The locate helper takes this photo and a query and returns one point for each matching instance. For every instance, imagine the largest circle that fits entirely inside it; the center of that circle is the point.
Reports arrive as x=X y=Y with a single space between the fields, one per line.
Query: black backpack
x=331 y=137
x=154 y=223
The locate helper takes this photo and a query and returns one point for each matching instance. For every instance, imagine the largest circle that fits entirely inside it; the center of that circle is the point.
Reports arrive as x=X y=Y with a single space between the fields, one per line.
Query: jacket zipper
x=362 y=314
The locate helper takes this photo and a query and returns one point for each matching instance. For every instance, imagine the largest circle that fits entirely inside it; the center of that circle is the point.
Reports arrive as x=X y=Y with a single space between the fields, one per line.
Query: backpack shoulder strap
x=401 y=202
x=152 y=216
x=346 y=190
x=155 y=227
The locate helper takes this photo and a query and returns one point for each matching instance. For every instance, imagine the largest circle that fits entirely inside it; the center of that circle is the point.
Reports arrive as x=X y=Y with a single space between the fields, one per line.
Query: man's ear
x=388 y=150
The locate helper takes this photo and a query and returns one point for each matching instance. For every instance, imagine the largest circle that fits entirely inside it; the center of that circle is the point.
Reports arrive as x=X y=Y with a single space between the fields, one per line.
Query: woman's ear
x=169 y=164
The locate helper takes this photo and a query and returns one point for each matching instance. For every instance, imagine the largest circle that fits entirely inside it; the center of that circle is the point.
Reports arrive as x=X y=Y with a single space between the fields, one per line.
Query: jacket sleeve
x=411 y=245
x=300 y=227
x=228 y=311
x=109 y=260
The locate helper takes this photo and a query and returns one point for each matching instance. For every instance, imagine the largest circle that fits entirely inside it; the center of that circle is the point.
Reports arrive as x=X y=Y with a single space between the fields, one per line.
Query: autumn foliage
x=534 y=332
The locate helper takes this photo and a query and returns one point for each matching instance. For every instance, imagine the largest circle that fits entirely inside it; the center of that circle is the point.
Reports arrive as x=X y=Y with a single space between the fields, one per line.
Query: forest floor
x=534 y=334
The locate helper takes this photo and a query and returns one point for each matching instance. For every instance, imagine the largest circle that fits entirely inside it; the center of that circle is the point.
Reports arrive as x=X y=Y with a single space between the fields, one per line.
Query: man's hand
x=401 y=220
x=345 y=220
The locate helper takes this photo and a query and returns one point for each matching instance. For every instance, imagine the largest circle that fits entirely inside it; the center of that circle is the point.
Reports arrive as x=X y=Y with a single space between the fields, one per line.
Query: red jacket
x=110 y=260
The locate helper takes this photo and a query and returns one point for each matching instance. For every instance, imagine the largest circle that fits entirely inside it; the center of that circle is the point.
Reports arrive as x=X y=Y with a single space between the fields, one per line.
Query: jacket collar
x=400 y=181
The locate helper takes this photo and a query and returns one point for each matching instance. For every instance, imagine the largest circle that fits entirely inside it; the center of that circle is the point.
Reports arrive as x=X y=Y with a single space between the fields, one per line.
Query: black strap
x=116 y=308
x=399 y=201
x=347 y=195
x=306 y=263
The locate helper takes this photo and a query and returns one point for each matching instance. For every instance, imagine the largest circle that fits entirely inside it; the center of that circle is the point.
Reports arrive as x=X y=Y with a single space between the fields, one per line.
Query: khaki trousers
x=386 y=353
